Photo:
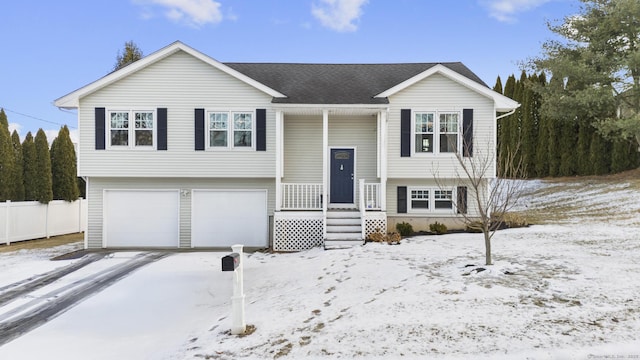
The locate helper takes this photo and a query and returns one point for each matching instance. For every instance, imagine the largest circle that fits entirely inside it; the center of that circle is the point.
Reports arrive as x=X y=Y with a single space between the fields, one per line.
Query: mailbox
x=230 y=262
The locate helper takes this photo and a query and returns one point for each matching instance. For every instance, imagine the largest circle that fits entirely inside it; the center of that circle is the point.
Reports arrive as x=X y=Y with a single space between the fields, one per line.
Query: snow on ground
x=567 y=289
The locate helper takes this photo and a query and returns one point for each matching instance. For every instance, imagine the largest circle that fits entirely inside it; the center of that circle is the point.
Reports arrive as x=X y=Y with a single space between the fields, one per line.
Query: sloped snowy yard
x=567 y=289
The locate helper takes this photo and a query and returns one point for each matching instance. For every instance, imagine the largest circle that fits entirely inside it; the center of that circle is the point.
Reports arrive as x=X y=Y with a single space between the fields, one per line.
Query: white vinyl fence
x=26 y=220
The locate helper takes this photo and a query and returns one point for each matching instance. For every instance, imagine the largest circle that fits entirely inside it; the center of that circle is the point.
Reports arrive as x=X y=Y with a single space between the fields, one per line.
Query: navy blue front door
x=341 y=181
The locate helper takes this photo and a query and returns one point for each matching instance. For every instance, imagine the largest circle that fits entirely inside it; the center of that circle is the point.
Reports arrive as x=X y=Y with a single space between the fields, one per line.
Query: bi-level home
x=182 y=151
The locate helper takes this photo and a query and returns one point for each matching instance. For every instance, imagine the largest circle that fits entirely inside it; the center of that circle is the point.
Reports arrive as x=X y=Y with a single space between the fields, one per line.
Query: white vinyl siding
x=302 y=149
x=181 y=84
x=185 y=186
x=303 y=146
x=438 y=94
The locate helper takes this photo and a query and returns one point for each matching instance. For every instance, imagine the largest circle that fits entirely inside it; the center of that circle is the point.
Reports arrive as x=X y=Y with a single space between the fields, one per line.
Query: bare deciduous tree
x=490 y=197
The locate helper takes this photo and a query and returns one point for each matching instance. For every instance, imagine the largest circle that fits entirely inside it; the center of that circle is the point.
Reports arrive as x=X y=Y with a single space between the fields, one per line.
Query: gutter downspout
x=507 y=114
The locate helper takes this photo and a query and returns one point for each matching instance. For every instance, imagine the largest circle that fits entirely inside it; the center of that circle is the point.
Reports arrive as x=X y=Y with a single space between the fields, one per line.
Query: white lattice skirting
x=374 y=222
x=296 y=231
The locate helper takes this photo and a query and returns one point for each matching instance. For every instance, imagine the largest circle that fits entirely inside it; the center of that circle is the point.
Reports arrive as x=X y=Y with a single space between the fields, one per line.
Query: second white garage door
x=221 y=218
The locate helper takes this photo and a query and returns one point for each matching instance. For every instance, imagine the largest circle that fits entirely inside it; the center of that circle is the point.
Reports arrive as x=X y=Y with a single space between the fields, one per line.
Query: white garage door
x=224 y=218
x=136 y=218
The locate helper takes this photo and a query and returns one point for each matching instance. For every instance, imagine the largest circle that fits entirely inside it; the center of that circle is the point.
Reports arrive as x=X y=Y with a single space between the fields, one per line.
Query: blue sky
x=50 y=48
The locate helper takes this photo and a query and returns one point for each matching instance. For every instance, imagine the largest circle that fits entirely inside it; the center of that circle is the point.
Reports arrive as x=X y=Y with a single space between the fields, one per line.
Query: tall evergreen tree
x=30 y=168
x=529 y=127
x=544 y=127
x=498 y=86
x=600 y=48
x=582 y=154
x=505 y=124
x=598 y=154
x=44 y=193
x=7 y=160
x=18 y=181
x=63 y=167
x=130 y=54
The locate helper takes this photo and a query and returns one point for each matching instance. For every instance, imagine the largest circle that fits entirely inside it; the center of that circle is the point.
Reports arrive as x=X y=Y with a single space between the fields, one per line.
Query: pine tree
x=63 y=167
x=30 y=168
x=131 y=54
x=18 y=181
x=7 y=160
x=44 y=194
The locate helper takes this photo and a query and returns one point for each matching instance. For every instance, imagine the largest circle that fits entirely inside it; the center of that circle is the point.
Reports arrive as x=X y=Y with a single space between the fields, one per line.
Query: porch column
x=383 y=158
x=279 y=146
x=325 y=158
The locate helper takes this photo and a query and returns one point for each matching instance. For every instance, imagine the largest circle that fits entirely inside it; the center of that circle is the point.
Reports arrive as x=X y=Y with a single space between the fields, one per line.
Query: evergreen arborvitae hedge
x=562 y=146
x=30 y=168
x=44 y=193
x=63 y=167
x=18 y=181
x=7 y=160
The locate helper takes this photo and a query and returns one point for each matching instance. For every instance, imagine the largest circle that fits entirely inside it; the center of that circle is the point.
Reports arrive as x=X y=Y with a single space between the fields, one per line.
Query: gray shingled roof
x=337 y=83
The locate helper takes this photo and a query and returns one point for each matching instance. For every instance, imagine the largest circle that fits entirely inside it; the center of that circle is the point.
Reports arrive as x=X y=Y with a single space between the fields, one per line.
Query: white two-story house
x=182 y=151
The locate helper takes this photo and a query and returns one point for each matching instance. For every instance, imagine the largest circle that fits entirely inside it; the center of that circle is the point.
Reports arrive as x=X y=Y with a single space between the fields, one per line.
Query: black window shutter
x=261 y=129
x=462 y=199
x=100 y=128
x=405 y=132
x=467 y=132
x=162 y=129
x=199 y=129
x=402 y=199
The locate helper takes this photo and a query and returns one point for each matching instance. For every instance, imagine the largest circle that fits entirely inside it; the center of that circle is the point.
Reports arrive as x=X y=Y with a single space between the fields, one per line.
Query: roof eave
x=72 y=100
x=502 y=102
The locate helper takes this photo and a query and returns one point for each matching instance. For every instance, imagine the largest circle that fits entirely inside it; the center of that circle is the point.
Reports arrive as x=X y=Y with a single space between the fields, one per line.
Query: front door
x=341 y=180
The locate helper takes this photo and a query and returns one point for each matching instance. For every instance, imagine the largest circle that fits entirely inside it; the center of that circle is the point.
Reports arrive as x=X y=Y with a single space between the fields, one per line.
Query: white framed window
x=436 y=132
x=132 y=129
x=423 y=128
x=219 y=129
x=231 y=129
x=420 y=200
x=442 y=200
x=449 y=132
x=434 y=200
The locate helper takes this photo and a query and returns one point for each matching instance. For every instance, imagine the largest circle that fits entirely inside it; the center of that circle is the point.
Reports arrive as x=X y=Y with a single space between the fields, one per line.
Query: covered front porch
x=330 y=176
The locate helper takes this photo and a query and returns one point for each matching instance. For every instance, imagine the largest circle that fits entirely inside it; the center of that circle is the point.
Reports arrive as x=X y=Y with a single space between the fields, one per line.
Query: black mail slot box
x=230 y=262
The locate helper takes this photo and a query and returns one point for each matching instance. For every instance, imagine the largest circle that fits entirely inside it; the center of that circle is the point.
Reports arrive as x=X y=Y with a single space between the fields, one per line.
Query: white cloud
x=17 y=127
x=338 y=15
x=191 y=12
x=506 y=10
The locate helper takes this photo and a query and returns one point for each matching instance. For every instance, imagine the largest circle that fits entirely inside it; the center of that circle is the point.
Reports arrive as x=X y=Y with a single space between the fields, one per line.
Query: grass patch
x=42 y=243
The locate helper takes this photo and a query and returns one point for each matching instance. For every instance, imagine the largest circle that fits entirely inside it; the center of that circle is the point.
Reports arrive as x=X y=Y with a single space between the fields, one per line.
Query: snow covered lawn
x=567 y=289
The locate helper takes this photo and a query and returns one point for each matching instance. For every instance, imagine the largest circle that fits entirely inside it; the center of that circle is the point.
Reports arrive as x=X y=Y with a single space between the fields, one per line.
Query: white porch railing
x=370 y=193
x=297 y=196
x=369 y=200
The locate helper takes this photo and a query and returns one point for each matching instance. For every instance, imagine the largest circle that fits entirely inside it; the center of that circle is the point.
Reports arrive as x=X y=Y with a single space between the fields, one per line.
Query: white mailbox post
x=233 y=262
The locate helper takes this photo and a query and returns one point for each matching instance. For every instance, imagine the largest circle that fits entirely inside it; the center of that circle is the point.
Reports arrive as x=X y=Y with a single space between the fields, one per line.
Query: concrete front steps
x=344 y=229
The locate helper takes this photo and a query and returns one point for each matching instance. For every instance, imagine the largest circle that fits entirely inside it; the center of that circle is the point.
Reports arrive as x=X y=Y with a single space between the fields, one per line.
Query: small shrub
x=391 y=238
x=405 y=229
x=438 y=228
